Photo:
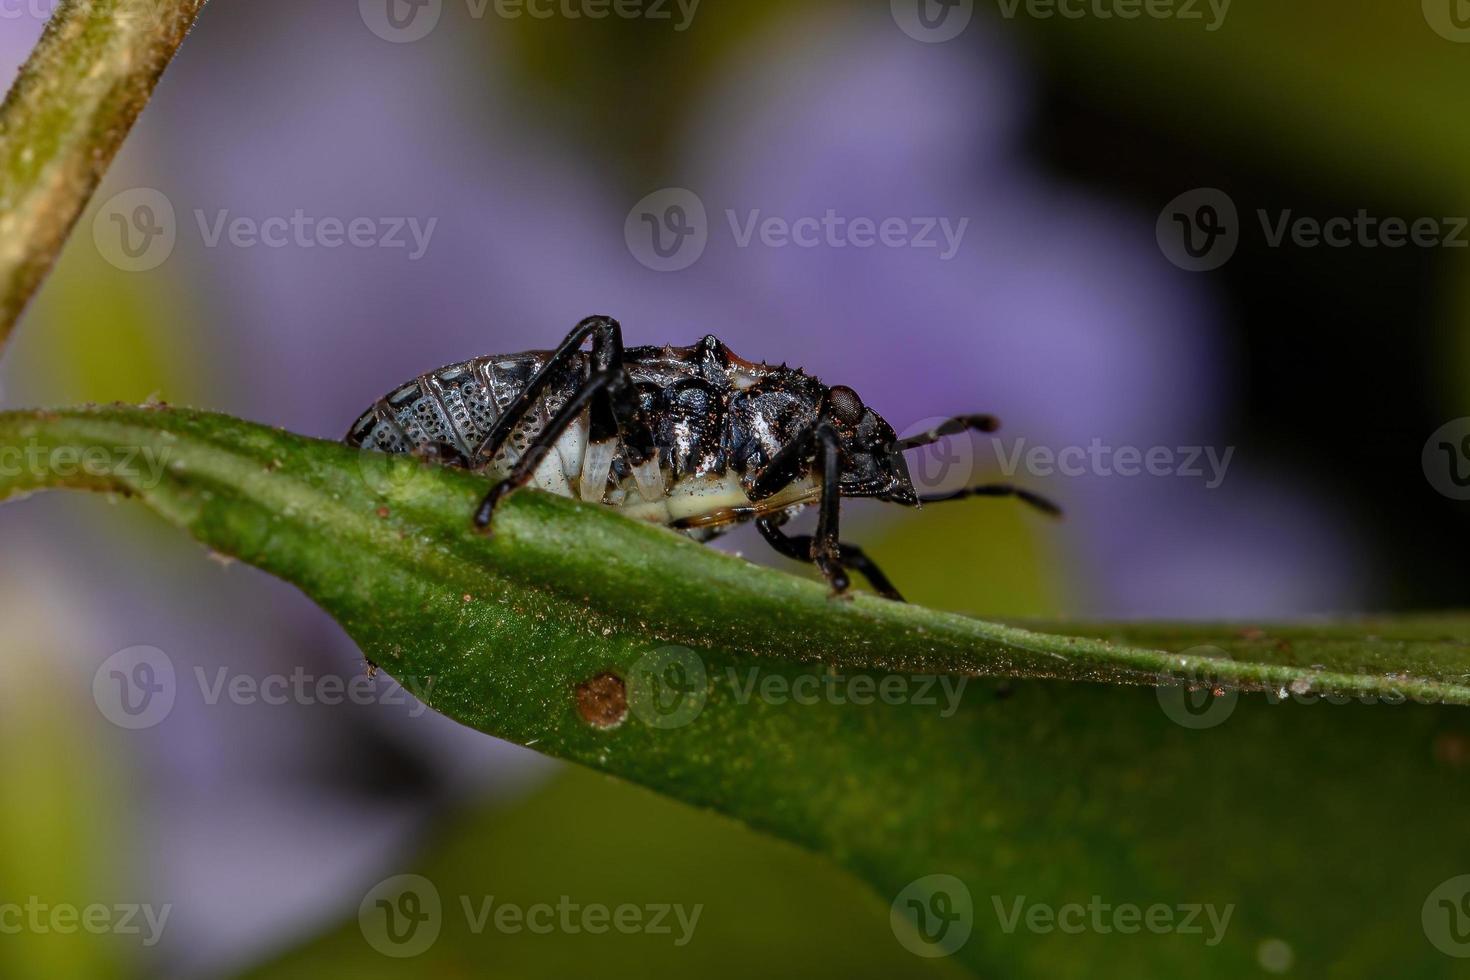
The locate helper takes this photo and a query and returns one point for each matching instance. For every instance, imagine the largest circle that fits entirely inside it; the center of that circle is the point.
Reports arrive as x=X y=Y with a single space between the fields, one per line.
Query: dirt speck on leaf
x=603 y=701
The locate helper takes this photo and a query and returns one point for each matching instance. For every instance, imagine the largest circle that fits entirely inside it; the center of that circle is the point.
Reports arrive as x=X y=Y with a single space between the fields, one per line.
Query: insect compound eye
x=846 y=406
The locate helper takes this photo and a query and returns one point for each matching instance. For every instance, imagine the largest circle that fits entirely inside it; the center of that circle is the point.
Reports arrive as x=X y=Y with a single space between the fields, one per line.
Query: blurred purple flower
x=1057 y=311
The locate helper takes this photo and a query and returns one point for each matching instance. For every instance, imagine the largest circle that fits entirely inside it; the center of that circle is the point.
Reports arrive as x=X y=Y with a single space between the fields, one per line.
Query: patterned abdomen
x=447 y=414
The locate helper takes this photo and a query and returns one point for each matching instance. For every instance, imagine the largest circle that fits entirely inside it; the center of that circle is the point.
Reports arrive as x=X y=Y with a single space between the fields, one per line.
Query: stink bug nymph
x=694 y=438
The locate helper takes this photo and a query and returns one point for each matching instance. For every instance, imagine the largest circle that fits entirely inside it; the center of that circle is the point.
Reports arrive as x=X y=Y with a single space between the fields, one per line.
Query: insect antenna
x=952 y=427
x=1027 y=497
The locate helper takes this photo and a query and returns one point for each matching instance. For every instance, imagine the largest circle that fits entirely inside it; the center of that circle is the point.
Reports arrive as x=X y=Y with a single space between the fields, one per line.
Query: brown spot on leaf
x=1452 y=749
x=603 y=701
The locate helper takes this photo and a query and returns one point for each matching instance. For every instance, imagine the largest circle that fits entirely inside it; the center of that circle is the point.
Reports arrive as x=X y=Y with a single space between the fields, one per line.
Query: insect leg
x=785 y=465
x=826 y=551
x=952 y=427
x=818 y=440
x=799 y=547
x=997 y=490
x=545 y=441
x=607 y=351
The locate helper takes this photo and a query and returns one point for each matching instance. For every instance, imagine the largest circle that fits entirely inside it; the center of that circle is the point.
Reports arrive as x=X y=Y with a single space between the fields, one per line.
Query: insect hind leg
x=607 y=352
x=605 y=372
x=544 y=442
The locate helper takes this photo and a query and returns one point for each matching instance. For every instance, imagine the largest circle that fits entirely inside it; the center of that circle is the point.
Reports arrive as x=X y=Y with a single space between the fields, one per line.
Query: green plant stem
x=64 y=119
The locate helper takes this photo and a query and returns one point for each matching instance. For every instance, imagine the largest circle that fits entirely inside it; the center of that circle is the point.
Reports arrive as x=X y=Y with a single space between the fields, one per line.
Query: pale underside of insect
x=693 y=438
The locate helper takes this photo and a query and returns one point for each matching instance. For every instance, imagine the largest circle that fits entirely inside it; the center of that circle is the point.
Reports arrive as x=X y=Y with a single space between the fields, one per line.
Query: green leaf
x=1321 y=826
x=64 y=119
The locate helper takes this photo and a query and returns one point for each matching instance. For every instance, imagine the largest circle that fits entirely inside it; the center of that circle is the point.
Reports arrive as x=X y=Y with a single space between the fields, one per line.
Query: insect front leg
x=817 y=443
x=799 y=548
x=826 y=550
